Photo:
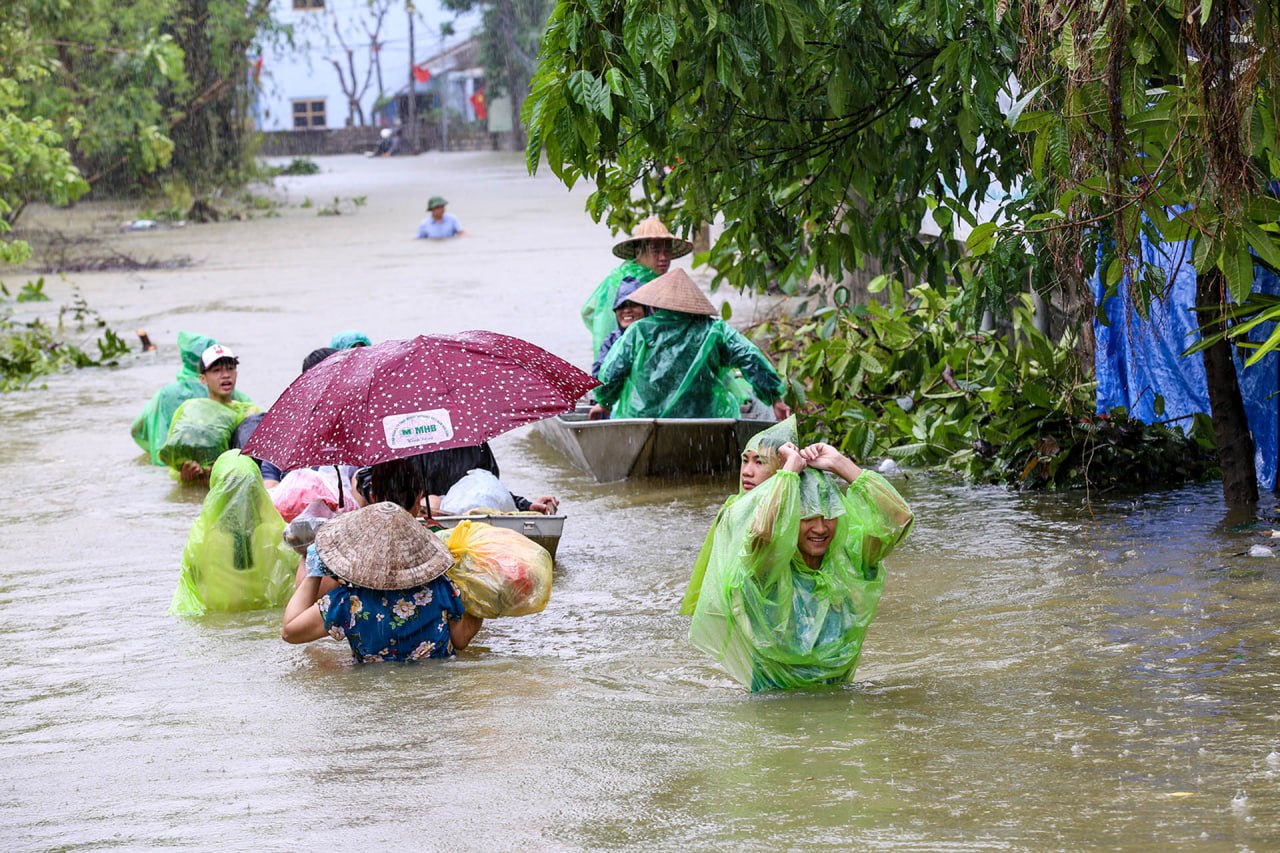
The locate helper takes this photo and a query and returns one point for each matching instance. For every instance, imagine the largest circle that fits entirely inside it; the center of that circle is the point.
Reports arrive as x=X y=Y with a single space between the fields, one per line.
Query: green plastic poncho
x=201 y=431
x=151 y=427
x=597 y=311
x=235 y=558
x=676 y=365
x=768 y=618
x=764 y=444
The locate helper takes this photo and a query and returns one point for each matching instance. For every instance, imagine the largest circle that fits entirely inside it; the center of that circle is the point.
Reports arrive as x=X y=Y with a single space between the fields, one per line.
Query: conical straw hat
x=675 y=291
x=382 y=547
x=651 y=229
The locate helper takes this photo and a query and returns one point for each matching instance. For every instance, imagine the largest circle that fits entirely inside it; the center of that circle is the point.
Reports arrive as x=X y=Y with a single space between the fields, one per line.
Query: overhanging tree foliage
x=822 y=131
x=143 y=85
x=1160 y=118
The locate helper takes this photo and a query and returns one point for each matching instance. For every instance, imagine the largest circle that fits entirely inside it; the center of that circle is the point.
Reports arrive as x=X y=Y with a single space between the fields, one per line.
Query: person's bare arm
x=461 y=631
x=303 y=621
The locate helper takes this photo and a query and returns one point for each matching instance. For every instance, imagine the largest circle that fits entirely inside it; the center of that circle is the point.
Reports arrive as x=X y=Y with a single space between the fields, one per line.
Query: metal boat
x=618 y=448
x=543 y=529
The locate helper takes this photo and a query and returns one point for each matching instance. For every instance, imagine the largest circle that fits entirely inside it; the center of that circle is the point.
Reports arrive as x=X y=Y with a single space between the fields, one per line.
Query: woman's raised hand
x=822 y=456
x=792 y=458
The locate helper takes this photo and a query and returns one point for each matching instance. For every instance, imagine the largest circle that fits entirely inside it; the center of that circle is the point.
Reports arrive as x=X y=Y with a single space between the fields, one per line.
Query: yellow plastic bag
x=499 y=571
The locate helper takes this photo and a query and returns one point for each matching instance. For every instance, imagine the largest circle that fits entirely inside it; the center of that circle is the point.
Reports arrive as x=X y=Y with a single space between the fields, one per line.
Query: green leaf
x=1015 y=112
x=982 y=239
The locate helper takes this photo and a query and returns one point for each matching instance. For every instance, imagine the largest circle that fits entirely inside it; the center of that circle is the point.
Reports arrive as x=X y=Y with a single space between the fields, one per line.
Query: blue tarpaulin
x=1138 y=360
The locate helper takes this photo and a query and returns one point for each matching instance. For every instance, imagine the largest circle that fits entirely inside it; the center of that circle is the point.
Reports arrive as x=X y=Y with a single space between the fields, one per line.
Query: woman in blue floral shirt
x=393 y=600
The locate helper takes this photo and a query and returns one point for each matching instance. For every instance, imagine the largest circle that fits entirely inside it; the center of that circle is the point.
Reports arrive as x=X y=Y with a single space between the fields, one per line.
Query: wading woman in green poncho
x=795 y=571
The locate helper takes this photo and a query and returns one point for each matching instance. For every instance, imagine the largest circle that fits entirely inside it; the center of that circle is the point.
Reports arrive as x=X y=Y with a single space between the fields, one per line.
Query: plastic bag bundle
x=478 y=490
x=235 y=558
x=499 y=571
x=676 y=365
x=763 y=613
x=201 y=431
x=301 y=531
x=298 y=490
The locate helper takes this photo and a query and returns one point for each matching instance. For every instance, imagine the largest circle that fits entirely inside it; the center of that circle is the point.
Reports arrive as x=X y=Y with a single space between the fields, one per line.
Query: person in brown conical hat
x=646 y=254
x=677 y=362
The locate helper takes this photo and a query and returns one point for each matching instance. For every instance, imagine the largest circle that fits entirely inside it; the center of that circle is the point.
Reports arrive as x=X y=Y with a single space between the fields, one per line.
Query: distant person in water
x=439 y=225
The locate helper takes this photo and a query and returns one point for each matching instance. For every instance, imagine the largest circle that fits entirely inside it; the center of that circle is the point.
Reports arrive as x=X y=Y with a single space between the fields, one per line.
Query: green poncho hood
x=192 y=346
x=235 y=558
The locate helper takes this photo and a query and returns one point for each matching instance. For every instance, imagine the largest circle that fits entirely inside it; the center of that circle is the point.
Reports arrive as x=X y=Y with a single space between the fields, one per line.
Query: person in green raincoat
x=796 y=572
x=151 y=427
x=678 y=361
x=235 y=558
x=202 y=429
x=760 y=461
x=646 y=254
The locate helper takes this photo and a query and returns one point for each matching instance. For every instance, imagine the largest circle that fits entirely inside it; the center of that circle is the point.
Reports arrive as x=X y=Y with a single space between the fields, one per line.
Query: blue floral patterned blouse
x=398 y=624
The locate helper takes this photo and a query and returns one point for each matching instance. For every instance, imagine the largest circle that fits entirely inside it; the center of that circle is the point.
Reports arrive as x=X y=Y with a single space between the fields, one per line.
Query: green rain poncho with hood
x=235 y=558
x=764 y=444
x=769 y=619
x=677 y=365
x=151 y=428
x=597 y=311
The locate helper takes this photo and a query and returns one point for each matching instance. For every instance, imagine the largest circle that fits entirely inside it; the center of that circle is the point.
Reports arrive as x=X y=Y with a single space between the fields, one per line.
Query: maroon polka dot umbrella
x=400 y=398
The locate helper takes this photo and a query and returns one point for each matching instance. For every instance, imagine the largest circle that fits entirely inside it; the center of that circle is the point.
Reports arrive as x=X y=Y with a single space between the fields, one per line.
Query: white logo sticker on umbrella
x=418 y=428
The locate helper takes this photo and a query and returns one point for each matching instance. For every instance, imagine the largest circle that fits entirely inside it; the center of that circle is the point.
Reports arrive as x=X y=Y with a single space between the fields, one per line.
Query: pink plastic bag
x=298 y=489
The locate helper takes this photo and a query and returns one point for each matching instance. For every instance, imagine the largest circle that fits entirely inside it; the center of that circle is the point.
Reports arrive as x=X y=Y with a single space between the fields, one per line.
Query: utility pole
x=414 y=142
x=445 y=30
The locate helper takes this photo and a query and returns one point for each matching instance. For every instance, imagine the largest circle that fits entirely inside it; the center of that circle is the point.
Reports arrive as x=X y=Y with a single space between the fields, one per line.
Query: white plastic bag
x=479 y=489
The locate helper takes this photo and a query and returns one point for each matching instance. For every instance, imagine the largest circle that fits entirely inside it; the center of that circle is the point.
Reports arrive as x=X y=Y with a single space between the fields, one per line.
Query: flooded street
x=1038 y=678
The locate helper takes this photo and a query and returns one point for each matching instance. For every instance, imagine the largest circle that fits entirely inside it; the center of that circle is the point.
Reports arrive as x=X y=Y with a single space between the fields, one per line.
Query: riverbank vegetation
x=908 y=377
x=824 y=134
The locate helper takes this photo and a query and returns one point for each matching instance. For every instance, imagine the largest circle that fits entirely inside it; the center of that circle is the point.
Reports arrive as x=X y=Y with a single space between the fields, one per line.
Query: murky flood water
x=1038 y=678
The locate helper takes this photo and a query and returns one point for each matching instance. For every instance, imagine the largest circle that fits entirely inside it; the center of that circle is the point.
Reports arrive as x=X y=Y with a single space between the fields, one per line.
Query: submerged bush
x=33 y=348
x=908 y=378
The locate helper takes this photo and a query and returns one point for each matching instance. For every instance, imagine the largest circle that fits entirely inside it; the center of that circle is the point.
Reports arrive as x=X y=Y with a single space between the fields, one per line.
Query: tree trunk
x=517 y=76
x=1230 y=428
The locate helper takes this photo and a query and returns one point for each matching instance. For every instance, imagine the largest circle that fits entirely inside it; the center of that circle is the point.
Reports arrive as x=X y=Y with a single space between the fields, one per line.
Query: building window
x=307 y=5
x=308 y=112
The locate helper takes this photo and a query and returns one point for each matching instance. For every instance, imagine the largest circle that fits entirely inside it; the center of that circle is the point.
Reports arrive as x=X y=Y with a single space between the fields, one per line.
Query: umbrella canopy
x=400 y=398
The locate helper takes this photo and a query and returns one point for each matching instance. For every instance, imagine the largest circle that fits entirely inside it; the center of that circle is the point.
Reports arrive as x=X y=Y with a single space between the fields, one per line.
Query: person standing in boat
x=676 y=363
x=646 y=254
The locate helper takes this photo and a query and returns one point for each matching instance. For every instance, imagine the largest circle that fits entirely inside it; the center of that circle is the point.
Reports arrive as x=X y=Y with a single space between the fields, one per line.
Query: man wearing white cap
x=219 y=369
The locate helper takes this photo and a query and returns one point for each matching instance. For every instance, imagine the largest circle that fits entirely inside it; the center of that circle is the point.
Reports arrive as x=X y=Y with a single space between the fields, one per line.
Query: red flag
x=257 y=70
x=421 y=74
x=477 y=101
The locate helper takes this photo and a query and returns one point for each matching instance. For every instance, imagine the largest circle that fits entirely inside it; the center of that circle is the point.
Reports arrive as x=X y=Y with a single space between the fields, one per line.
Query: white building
x=309 y=84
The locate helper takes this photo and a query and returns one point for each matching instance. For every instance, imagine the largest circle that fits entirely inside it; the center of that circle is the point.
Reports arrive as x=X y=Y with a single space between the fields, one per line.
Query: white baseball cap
x=216 y=353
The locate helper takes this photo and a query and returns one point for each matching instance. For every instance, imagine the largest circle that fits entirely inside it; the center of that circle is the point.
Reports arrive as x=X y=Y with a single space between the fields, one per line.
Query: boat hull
x=618 y=448
x=543 y=529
